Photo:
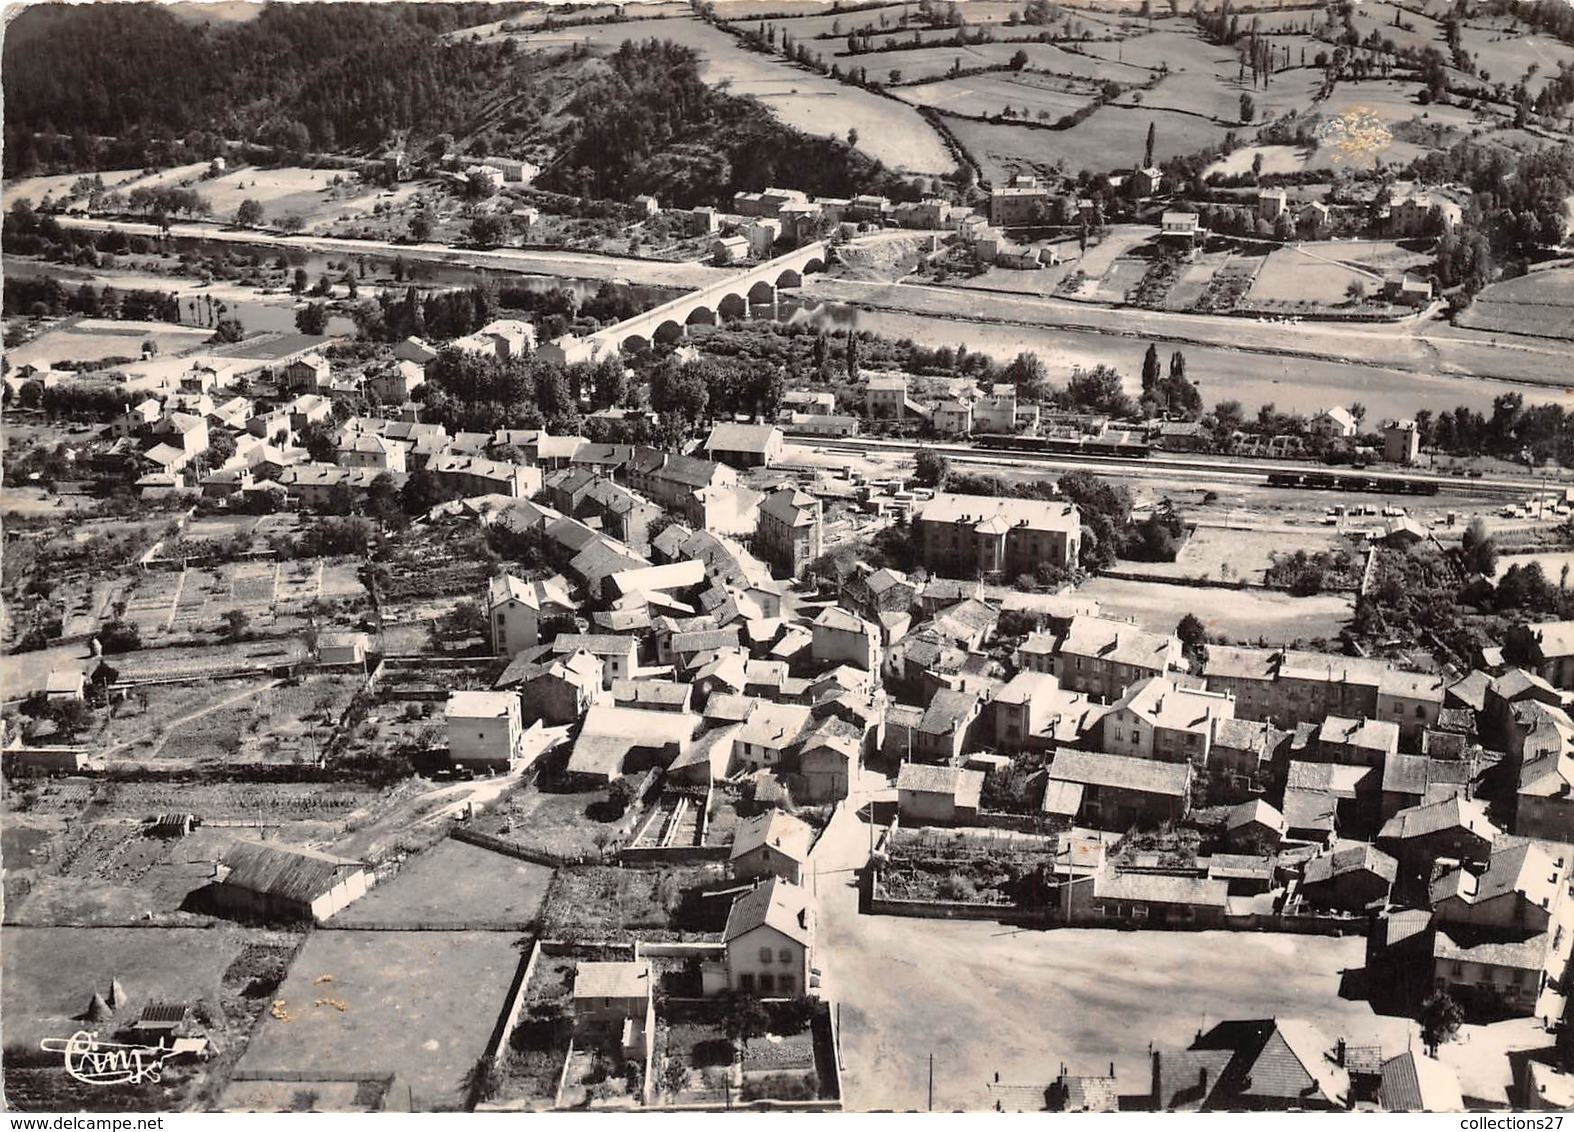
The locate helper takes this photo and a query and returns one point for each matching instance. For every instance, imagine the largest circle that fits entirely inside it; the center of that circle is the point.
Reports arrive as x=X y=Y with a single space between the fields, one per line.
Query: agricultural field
x=1508 y=56
x=814 y=103
x=1218 y=553
x=1275 y=159
x=1229 y=614
x=422 y=1005
x=1540 y=303
x=1300 y=278
x=1025 y=94
x=454 y=883
x=1004 y=149
x=50 y=974
x=557 y=824
x=94 y=340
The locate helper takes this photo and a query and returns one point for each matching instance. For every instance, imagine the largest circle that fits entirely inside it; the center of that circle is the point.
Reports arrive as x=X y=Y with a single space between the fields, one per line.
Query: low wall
x=509 y=849
x=427 y=926
x=676 y=855
x=497 y=1046
x=696 y=950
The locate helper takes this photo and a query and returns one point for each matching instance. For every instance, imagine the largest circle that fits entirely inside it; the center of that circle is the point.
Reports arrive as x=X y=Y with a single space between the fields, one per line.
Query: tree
x=312 y=318
x=1028 y=374
x=1479 y=549
x=486 y=230
x=72 y=717
x=1248 y=108
x=228 y=330
x=291 y=223
x=300 y=281
x=421 y=227
x=1191 y=631
x=1358 y=413
x=1440 y=1020
x=744 y=1017
x=1356 y=291
x=931 y=468
x=852 y=355
x=249 y=214
x=237 y=623
x=1019 y=61
x=119 y=636
x=1147 y=153
x=1150 y=370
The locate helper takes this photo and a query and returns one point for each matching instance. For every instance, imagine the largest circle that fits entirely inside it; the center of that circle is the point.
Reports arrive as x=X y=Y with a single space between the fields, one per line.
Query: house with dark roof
x=1116 y=792
x=1413 y=1082
x=947 y=728
x=1254 y=827
x=830 y=756
x=1413 y=780
x=1456 y=827
x=770 y=941
x=1547 y=649
x=790 y=531
x=1149 y=900
x=1491 y=978
x=841 y=637
x=1356 y=742
x=1272 y=1064
x=771 y=844
x=276 y=882
x=1349 y=879
x=1518 y=893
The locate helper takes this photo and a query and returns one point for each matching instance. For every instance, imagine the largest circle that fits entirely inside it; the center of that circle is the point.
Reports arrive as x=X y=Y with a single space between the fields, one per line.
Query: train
x=1353 y=481
x=1125 y=448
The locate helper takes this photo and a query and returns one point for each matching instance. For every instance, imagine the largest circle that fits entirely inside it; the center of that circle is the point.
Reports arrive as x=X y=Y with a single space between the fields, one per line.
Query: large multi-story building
x=965 y=536
x=789 y=535
x=1155 y=719
x=1103 y=657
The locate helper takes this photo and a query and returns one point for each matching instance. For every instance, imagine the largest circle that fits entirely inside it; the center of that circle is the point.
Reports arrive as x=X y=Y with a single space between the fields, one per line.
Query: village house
x=1155 y=719
x=1411 y=780
x=308 y=374
x=397 y=383
x=614 y=741
x=619 y=655
x=769 y=939
x=475 y=475
x=744 y=445
x=1147 y=900
x=1520 y=892
x=1116 y=792
x=485 y=730
x=616 y=1001
x=1349 y=879
x=1547 y=649
x=1032 y=712
x=1274 y=1064
x=1103 y=657
x=948 y=727
x=516 y=609
x=771 y=844
x=1490 y=977
x=1240 y=758
x=367 y=451
x=1356 y=742
x=671 y=480
x=1254 y=827
x=828 y=760
x=842 y=638
x=974 y=535
x=342 y=650
x=276 y=882
x=555 y=690
x=1457 y=828
x=938 y=795
x=770 y=736
x=790 y=531
x=1413 y=1082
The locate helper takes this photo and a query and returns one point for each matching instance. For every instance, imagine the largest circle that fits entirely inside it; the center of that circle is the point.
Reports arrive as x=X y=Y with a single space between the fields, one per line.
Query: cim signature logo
x=107 y=1063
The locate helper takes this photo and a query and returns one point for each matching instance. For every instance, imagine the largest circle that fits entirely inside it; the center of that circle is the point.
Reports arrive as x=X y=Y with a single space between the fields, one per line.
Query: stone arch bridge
x=751 y=293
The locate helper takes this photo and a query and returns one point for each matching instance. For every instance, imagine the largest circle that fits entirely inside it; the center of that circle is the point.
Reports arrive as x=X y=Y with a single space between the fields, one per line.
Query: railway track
x=1206 y=471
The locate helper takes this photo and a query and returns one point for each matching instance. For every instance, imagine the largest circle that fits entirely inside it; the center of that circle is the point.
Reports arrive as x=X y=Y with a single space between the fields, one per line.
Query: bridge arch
x=733 y=306
x=669 y=331
x=634 y=344
x=701 y=316
x=764 y=291
x=789 y=279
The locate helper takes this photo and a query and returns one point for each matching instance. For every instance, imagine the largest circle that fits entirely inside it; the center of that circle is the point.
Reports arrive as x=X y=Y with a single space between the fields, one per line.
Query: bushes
x=782 y=1087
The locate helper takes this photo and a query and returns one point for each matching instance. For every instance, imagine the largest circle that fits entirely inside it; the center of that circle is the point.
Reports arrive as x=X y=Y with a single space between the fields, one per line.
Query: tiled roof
x=296 y=874
x=1093 y=768
x=612 y=980
x=776 y=904
x=1415 y=1083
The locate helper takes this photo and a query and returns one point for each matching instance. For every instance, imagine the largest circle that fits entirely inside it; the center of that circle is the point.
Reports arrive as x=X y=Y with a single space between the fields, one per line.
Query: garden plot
x=1025 y=95
x=1121 y=278
x=1193 y=282
x=600 y=901
x=298 y=582
x=422 y=1005
x=150 y=605
x=1540 y=303
x=1229 y=614
x=1228 y=554
x=94 y=340
x=340 y=580
x=252 y=583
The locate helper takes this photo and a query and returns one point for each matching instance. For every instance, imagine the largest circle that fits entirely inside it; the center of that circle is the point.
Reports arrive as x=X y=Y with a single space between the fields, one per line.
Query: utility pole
x=931 y=1080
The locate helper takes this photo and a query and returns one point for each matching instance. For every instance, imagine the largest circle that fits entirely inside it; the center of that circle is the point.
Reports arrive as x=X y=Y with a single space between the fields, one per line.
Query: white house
x=485 y=730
